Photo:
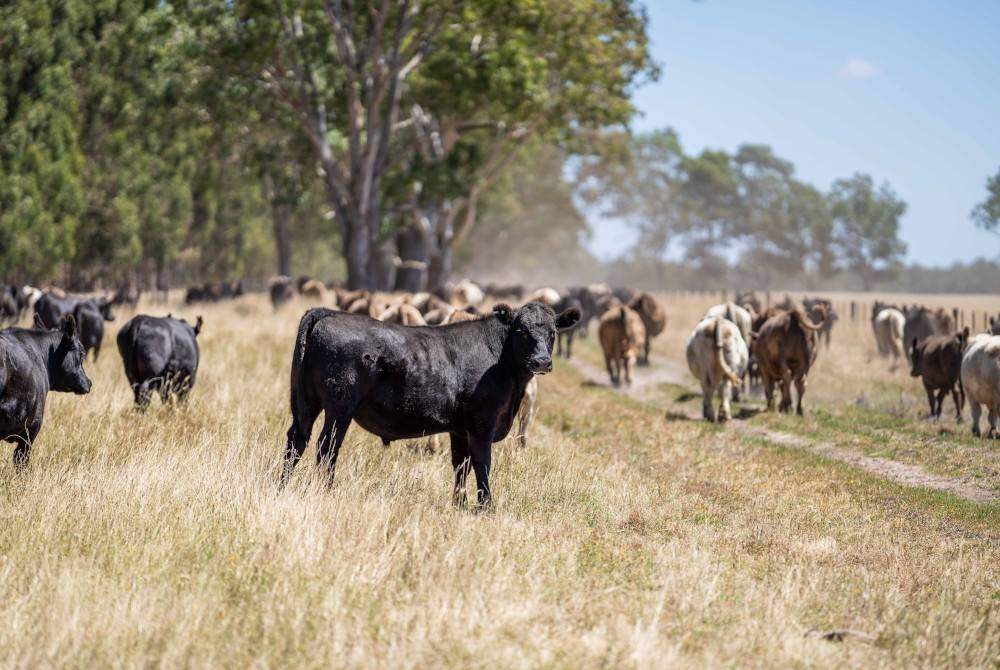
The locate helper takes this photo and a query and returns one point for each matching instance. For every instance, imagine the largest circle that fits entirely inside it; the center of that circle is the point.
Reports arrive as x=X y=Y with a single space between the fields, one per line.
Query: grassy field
x=624 y=536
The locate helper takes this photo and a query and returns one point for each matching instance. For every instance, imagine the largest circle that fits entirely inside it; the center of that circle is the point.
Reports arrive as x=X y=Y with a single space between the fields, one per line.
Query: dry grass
x=618 y=539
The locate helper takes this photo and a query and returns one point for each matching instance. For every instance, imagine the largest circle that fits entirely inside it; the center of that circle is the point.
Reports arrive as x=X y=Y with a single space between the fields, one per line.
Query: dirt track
x=663 y=371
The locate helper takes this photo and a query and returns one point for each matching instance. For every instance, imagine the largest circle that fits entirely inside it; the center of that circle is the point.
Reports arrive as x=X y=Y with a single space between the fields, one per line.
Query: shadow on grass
x=687 y=396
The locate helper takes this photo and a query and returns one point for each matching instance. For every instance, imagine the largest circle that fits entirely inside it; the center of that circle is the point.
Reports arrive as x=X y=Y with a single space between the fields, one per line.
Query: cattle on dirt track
x=717 y=356
x=654 y=320
x=922 y=322
x=938 y=361
x=621 y=334
x=785 y=348
x=981 y=380
x=34 y=362
x=466 y=379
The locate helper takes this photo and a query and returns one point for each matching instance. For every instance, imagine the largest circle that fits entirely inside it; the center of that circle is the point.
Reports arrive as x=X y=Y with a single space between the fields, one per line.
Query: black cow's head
x=66 y=362
x=104 y=307
x=533 y=332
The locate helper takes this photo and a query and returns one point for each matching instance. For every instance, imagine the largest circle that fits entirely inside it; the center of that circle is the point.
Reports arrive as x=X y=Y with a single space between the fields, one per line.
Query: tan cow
x=654 y=320
x=785 y=349
x=404 y=315
x=621 y=334
x=314 y=291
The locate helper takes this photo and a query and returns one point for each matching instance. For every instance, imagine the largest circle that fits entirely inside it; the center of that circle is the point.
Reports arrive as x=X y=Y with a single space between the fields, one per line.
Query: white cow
x=717 y=356
x=468 y=294
x=735 y=314
x=888 y=326
x=546 y=296
x=981 y=379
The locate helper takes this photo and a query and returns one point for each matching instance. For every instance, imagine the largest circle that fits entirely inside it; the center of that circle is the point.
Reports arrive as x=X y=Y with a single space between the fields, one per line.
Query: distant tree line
x=746 y=209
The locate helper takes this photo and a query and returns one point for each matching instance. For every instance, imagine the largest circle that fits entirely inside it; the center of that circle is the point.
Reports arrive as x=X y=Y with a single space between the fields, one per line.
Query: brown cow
x=784 y=350
x=938 y=361
x=621 y=334
x=654 y=319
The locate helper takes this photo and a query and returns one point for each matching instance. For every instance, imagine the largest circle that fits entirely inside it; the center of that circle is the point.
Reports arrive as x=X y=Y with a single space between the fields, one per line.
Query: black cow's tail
x=306 y=324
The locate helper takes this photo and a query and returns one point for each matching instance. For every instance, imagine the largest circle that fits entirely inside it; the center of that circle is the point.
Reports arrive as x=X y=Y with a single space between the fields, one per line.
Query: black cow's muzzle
x=541 y=366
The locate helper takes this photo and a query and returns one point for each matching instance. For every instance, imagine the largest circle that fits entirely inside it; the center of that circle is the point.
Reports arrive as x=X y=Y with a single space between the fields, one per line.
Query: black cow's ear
x=568 y=318
x=504 y=312
x=197 y=325
x=68 y=325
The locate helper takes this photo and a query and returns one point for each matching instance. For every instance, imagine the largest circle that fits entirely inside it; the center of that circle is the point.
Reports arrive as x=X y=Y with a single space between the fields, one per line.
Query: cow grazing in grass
x=90 y=327
x=89 y=314
x=34 y=362
x=51 y=308
x=718 y=357
x=785 y=348
x=466 y=379
x=938 y=361
x=621 y=334
x=654 y=320
x=160 y=354
x=981 y=380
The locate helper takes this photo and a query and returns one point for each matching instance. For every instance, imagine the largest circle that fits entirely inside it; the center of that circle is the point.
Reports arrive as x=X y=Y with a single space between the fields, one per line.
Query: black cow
x=51 y=309
x=564 y=338
x=159 y=354
x=34 y=362
x=403 y=382
x=937 y=359
x=90 y=326
x=282 y=290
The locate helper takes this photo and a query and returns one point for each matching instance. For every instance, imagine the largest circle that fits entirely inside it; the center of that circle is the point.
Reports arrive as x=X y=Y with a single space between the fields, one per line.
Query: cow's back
x=981 y=370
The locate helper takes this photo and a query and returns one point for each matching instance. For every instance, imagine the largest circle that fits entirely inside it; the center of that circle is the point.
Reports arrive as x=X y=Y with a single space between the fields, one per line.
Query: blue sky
x=908 y=92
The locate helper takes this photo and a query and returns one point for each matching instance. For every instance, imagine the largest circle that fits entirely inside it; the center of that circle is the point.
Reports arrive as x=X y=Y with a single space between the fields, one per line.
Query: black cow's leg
x=97 y=351
x=22 y=450
x=569 y=343
x=330 y=439
x=298 y=436
x=940 y=402
x=460 y=462
x=481 y=451
x=144 y=392
x=930 y=400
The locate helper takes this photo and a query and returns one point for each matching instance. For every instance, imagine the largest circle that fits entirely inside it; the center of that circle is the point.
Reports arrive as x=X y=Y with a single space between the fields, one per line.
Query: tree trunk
x=384 y=261
x=357 y=254
x=412 y=245
x=279 y=221
x=439 y=269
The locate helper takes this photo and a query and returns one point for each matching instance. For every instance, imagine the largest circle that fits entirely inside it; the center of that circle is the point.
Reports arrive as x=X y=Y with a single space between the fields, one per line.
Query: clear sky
x=905 y=90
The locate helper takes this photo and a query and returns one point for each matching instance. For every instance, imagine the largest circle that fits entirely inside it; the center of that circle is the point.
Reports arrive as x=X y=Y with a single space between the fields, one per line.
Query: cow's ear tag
x=504 y=312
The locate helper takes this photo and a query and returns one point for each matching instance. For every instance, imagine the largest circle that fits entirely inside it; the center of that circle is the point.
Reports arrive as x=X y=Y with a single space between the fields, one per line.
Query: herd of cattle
x=411 y=366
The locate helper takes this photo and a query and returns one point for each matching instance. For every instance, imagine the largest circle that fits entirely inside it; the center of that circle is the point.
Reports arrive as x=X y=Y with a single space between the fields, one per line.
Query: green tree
x=866 y=228
x=986 y=215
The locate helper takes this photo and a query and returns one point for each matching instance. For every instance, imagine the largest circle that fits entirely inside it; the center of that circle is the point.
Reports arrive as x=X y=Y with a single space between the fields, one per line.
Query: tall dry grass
x=618 y=539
